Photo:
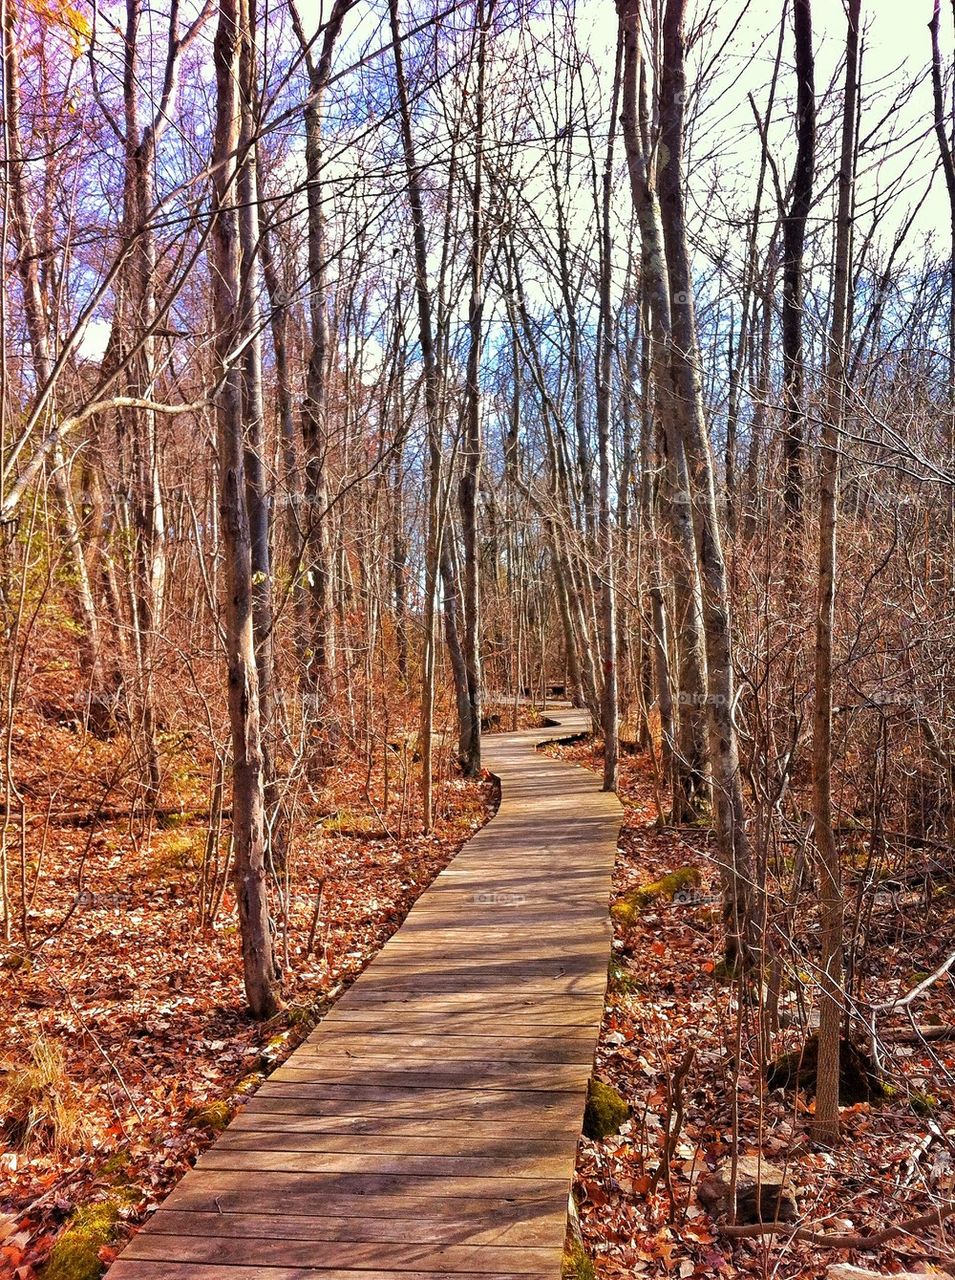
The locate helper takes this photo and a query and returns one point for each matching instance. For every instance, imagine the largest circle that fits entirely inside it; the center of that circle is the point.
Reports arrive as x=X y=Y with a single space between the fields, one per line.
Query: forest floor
x=149 y=1051
x=664 y=1001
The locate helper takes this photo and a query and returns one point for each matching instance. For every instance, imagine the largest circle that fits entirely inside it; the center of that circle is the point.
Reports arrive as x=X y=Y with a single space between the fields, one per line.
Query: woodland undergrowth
x=688 y=1058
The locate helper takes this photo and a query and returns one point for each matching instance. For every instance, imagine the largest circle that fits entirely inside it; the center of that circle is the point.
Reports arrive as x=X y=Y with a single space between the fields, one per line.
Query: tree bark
x=689 y=756
x=794 y=243
x=258 y=493
x=671 y=277
x=35 y=313
x=471 y=457
x=825 y=1123
x=320 y=673
x=948 y=168
x=736 y=864
x=248 y=801
x=433 y=408
x=609 y=704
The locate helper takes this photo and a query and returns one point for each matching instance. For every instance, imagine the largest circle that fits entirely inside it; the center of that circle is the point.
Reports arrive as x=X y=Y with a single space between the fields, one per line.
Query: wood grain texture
x=428 y=1127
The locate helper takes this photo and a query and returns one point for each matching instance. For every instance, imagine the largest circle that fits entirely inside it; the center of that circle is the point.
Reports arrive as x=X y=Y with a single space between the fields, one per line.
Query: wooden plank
x=470 y=972
x=441 y=1010
x=301 y=1163
x=311 y=1100
x=544 y=999
x=467 y=1228
x=150 y=1270
x=257 y=1251
x=526 y=953
x=330 y=1044
x=530 y=976
x=409 y=1137
x=233 y=1191
x=461 y=943
x=452 y=1130
x=293 y=1152
x=428 y=1073
x=576 y=1021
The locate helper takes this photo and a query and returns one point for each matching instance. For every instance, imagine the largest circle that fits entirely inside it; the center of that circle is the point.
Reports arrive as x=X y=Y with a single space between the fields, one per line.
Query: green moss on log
x=605 y=1112
x=923 y=1104
x=627 y=909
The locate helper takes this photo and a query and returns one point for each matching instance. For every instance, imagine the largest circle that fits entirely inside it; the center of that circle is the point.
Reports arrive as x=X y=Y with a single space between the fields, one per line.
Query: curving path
x=428 y=1127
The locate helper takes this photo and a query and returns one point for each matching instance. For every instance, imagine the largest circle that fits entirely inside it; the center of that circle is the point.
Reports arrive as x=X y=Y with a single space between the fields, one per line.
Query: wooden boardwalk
x=428 y=1127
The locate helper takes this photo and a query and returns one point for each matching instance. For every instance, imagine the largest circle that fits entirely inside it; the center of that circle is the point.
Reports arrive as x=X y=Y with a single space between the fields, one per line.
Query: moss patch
x=117 y=1162
x=605 y=1112
x=248 y=1084
x=75 y=1256
x=214 y=1115
x=350 y=822
x=726 y=970
x=923 y=1104
x=302 y=1016
x=619 y=979
x=177 y=851
x=627 y=909
x=576 y=1265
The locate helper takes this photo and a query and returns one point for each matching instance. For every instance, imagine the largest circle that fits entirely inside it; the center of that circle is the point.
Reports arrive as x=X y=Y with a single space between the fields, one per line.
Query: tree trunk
x=825 y=1124
x=434 y=415
x=736 y=860
x=609 y=705
x=291 y=491
x=248 y=801
x=794 y=242
x=471 y=455
x=253 y=413
x=672 y=277
x=320 y=674
x=948 y=168
x=27 y=261
x=689 y=757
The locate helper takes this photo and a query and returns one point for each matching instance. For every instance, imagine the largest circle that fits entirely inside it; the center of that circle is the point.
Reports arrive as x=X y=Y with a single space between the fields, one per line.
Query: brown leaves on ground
x=642 y=1218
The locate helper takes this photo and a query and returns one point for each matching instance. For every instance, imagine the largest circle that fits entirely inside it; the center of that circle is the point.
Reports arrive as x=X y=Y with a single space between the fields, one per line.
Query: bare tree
x=248 y=795
x=831 y=1001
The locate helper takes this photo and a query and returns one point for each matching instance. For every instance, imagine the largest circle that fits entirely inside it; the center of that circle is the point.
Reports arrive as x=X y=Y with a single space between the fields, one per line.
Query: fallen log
x=915 y=1035
x=861 y=1240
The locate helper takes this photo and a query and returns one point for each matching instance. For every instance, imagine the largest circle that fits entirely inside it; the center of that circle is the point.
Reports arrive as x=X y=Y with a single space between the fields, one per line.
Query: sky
x=723 y=145
x=896 y=55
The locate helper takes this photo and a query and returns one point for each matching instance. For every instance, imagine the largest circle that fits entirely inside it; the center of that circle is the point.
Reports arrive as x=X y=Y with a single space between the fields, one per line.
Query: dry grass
x=39 y=1107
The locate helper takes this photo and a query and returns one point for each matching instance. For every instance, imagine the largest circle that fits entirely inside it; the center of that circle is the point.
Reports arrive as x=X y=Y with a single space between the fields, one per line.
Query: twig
x=674 y=1122
x=873 y=1240
x=319 y=898
x=891 y=1005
